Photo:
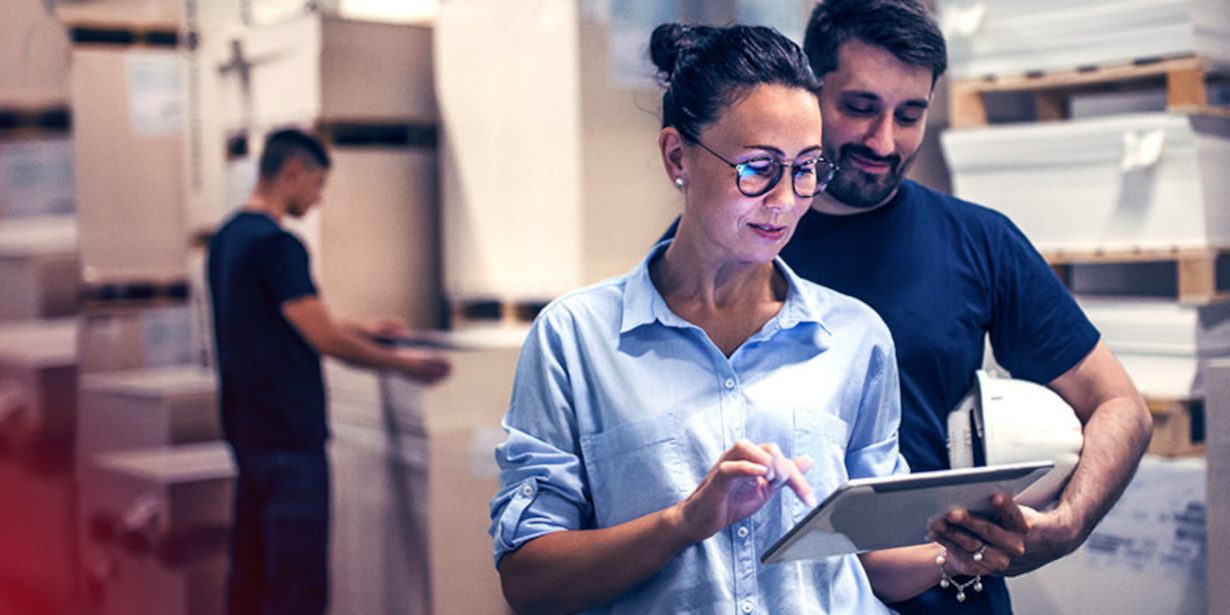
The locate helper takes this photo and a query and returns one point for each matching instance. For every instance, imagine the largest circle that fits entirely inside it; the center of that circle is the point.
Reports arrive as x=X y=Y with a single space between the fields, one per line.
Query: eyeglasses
x=757 y=176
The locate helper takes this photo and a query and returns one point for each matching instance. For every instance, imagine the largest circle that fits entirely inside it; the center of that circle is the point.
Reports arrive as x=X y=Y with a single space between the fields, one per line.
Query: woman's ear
x=670 y=145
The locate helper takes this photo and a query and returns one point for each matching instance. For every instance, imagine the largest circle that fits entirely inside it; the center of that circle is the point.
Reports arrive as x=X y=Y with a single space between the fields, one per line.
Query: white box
x=548 y=187
x=1163 y=345
x=1146 y=556
x=1003 y=37
x=158 y=495
x=1132 y=181
x=38 y=379
x=418 y=463
x=1217 y=452
x=39 y=268
x=36 y=177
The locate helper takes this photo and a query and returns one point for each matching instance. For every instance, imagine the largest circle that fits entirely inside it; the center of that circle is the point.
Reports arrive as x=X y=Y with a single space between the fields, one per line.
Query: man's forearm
x=1116 y=437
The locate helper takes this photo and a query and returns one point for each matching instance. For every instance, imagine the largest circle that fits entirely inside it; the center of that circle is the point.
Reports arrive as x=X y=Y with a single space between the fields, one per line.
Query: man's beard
x=863 y=190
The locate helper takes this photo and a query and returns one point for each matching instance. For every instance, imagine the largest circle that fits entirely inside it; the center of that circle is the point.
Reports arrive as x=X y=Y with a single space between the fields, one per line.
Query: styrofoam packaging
x=130 y=337
x=33 y=56
x=1002 y=37
x=38 y=268
x=128 y=137
x=38 y=379
x=1130 y=181
x=1146 y=556
x=36 y=177
x=557 y=212
x=1217 y=453
x=1163 y=345
x=156 y=494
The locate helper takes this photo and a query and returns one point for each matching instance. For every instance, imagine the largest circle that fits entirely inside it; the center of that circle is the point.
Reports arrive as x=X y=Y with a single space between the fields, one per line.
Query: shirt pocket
x=633 y=469
x=824 y=437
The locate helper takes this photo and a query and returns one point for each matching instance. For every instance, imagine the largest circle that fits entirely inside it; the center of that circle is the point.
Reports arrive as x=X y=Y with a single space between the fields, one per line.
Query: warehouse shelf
x=1185 y=79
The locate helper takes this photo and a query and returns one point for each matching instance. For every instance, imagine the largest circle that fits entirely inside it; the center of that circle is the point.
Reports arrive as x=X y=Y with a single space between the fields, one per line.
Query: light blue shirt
x=620 y=408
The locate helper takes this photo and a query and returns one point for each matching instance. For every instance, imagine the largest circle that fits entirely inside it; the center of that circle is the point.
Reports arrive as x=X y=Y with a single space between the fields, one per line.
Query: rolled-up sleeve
x=874 y=449
x=542 y=477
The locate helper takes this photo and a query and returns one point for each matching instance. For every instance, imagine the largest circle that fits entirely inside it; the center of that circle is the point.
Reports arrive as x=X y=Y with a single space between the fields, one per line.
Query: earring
x=678 y=182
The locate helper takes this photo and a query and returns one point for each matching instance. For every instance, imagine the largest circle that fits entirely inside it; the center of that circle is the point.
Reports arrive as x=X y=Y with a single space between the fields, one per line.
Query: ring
x=979 y=552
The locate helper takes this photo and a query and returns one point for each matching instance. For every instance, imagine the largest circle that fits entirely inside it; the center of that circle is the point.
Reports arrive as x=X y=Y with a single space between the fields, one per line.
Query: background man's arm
x=331 y=337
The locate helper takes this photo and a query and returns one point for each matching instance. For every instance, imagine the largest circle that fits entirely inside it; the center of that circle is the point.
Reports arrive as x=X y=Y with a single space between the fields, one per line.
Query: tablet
x=896 y=511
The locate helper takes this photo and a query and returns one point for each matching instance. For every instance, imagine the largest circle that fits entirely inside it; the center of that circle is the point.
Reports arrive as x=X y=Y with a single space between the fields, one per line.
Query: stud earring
x=678 y=182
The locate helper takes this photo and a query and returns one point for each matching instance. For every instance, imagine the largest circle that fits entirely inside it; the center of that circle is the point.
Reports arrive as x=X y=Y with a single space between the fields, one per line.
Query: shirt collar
x=643 y=304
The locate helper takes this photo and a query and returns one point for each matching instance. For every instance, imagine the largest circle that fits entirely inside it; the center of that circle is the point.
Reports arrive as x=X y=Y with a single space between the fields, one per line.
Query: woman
x=630 y=479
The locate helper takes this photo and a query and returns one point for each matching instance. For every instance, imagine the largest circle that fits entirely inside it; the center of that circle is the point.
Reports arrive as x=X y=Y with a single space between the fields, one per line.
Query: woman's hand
x=744 y=478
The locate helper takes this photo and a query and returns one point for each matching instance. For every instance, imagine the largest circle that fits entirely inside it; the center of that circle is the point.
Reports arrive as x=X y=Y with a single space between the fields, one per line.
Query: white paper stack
x=1163 y=345
x=1006 y=37
x=1151 y=180
x=38 y=268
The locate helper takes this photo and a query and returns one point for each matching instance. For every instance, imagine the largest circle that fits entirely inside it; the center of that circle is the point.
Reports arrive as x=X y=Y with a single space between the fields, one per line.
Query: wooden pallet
x=129 y=35
x=493 y=312
x=35 y=120
x=148 y=293
x=1196 y=268
x=1178 y=427
x=1185 y=80
x=377 y=133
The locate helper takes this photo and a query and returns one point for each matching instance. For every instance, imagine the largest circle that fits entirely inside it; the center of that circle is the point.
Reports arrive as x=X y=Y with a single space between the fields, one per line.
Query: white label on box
x=155 y=94
x=168 y=336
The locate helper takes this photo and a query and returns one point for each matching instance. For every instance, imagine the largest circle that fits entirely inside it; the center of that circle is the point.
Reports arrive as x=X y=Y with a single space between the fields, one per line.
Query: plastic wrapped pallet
x=1146 y=556
x=1151 y=180
x=1003 y=37
x=1163 y=345
x=161 y=516
x=38 y=268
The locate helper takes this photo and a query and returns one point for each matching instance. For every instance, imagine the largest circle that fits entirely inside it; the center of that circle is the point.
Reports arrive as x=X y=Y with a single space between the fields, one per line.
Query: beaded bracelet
x=946 y=580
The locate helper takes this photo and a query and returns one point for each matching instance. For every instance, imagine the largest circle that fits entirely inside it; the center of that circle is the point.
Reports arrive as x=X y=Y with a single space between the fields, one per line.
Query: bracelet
x=946 y=580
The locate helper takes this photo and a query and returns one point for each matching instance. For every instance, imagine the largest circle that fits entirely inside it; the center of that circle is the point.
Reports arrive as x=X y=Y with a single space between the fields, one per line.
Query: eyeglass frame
x=738 y=167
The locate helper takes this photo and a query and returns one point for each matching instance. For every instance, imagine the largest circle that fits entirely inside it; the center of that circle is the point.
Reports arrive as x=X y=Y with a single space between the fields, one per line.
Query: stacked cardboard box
x=38 y=268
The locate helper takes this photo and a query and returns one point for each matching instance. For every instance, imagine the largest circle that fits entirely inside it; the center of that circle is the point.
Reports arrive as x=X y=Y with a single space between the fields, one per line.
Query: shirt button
x=748 y=607
x=527 y=490
x=742 y=531
x=730 y=383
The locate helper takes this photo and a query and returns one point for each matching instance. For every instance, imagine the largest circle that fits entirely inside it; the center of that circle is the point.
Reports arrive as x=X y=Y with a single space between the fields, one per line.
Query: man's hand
x=423 y=366
x=981 y=546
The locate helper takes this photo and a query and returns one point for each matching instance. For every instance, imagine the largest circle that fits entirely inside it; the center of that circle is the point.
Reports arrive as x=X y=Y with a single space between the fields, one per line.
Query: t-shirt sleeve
x=1038 y=332
x=284 y=264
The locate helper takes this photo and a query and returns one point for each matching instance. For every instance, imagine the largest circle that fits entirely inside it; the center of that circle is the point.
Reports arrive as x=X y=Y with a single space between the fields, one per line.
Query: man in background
x=944 y=273
x=271 y=328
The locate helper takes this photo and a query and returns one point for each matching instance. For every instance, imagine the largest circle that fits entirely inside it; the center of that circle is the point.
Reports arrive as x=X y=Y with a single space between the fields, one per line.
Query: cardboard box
x=578 y=193
x=128 y=128
x=38 y=381
x=38 y=268
x=137 y=14
x=33 y=56
x=379 y=254
x=126 y=337
x=1150 y=180
x=167 y=511
x=1146 y=556
x=36 y=177
x=1002 y=37
x=396 y=439
x=1163 y=345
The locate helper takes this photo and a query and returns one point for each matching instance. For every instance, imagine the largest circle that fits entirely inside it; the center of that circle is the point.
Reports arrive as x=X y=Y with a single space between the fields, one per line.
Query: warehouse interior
x=489 y=157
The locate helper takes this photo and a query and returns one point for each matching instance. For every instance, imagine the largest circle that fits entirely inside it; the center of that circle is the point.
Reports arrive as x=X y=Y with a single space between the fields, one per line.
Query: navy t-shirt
x=273 y=394
x=942 y=273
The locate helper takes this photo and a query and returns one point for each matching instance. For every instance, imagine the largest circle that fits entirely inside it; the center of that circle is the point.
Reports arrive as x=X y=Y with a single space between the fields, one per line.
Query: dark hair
x=283 y=145
x=903 y=27
x=706 y=69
